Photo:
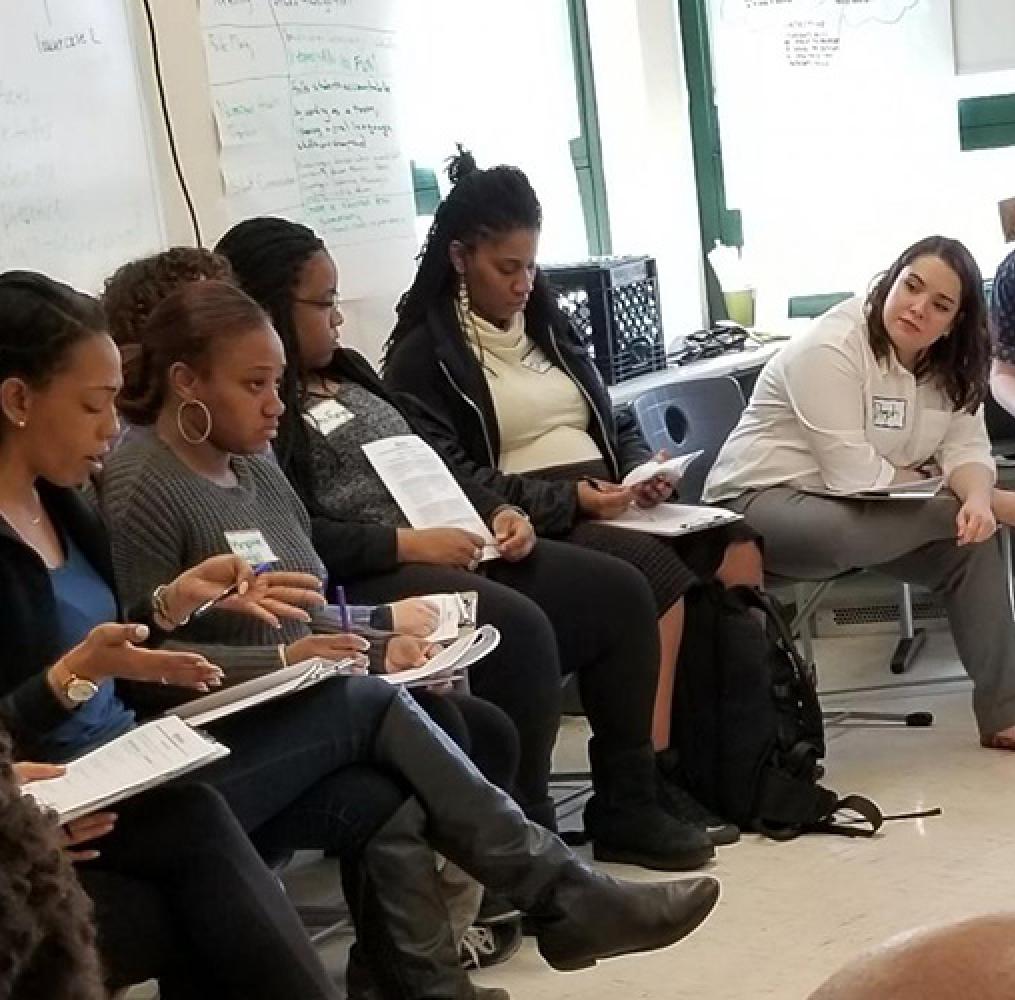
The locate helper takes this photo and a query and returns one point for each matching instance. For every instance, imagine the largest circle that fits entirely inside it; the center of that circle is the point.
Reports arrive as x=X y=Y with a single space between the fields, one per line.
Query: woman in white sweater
x=881 y=392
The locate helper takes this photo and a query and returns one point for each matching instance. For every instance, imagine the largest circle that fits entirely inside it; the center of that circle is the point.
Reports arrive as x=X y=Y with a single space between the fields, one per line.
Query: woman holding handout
x=489 y=368
x=558 y=609
x=880 y=391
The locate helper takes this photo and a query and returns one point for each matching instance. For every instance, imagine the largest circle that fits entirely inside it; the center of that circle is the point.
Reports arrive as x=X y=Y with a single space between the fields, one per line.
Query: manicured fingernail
x=141 y=632
x=202 y=687
x=243 y=588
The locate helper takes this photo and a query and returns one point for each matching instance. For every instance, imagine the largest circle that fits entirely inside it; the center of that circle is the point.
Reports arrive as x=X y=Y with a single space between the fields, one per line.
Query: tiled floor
x=792 y=913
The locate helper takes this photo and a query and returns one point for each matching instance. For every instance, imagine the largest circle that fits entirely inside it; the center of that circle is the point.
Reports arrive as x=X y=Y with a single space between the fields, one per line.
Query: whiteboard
x=77 y=186
x=304 y=99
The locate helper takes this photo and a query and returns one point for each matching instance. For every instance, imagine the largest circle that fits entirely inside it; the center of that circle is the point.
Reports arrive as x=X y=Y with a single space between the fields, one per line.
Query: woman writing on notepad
x=883 y=391
x=488 y=366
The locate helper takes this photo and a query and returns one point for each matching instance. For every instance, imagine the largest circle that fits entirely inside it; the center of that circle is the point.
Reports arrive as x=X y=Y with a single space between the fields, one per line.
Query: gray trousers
x=815 y=538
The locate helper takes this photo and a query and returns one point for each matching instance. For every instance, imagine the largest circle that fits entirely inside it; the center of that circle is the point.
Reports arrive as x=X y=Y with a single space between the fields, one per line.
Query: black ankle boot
x=405 y=950
x=578 y=915
x=626 y=822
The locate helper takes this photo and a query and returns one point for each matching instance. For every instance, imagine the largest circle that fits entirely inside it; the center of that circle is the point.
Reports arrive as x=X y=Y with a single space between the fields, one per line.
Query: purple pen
x=343 y=608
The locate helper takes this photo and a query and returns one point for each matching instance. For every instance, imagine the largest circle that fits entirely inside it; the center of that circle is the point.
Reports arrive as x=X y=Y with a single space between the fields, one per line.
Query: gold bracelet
x=161 y=608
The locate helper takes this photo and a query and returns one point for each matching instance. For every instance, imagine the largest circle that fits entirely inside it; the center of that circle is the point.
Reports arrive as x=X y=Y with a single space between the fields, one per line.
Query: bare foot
x=1004 y=740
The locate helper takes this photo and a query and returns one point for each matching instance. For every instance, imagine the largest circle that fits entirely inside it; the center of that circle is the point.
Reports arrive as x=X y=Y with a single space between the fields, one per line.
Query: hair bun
x=461 y=164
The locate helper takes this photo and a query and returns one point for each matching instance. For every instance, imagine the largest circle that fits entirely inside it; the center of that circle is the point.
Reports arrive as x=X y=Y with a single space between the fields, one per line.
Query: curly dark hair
x=133 y=291
x=481 y=204
x=48 y=940
x=960 y=362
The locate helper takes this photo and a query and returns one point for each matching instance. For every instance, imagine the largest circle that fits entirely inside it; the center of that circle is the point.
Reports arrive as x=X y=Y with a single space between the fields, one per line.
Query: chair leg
x=1006 y=556
x=911 y=639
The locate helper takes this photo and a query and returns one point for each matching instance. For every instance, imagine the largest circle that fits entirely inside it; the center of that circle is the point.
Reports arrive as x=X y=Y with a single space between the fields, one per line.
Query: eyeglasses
x=333 y=303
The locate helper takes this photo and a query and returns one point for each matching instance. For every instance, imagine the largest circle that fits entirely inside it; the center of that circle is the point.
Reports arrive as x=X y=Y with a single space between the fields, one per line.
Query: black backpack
x=747 y=724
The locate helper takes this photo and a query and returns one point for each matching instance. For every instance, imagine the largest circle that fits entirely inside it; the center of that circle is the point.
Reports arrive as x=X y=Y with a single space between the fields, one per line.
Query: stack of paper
x=143 y=758
x=260 y=690
x=923 y=489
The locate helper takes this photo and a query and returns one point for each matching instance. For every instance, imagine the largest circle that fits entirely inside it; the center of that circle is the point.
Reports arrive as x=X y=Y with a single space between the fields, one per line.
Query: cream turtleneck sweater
x=542 y=414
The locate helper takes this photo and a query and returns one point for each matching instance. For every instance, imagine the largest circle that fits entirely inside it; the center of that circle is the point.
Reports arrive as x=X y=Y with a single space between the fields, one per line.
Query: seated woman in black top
x=488 y=366
x=559 y=609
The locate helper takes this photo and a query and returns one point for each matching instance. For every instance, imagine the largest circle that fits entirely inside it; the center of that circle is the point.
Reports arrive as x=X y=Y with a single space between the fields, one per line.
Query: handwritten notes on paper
x=303 y=95
x=77 y=194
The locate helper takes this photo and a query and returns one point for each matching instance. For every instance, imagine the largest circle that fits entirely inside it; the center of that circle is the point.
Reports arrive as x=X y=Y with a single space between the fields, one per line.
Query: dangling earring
x=464 y=305
x=201 y=438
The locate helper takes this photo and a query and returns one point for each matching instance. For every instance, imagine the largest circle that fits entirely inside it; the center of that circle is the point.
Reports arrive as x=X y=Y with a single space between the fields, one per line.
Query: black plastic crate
x=613 y=303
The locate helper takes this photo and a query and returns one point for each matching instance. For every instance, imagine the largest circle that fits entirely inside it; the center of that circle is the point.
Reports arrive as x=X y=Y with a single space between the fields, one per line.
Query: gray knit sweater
x=163 y=518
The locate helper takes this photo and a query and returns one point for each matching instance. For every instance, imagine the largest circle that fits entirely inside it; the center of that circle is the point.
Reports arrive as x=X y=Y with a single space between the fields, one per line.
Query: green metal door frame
x=587 y=148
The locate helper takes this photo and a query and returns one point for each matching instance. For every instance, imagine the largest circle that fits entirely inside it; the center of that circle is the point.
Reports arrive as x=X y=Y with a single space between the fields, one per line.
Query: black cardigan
x=352 y=549
x=28 y=706
x=439 y=382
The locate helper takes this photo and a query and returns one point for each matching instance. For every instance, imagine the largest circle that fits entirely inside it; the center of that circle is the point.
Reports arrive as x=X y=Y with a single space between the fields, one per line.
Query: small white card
x=672 y=470
x=250 y=545
x=329 y=415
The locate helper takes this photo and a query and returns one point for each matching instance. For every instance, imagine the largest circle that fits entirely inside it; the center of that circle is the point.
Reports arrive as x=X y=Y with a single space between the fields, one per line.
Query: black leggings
x=562 y=610
x=181 y=895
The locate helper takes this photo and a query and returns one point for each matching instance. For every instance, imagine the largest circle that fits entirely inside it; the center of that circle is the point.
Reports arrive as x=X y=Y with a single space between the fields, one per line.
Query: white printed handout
x=672 y=519
x=450 y=661
x=258 y=690
x=423 y=487
x=672 y=470
x=147 y=756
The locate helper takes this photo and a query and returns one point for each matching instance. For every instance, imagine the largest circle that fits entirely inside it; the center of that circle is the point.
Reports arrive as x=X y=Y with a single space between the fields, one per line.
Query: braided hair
x=481 y=204
x=41 y=321
x=45 y=918
x=267 y=256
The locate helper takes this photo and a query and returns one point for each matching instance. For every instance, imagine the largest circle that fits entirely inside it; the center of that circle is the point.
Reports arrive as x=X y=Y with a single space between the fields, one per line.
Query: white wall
x=984 y=35
x=642 y=96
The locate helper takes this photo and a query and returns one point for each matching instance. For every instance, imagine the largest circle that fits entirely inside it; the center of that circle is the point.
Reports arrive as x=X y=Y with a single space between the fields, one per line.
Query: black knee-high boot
x=580 y=915
x=404 y=948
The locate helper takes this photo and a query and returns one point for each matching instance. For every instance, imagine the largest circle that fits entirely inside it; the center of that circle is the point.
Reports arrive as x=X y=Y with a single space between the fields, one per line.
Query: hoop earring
x=201 y=438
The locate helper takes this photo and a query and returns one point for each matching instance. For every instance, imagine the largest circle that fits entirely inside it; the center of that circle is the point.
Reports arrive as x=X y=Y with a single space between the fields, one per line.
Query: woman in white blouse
x=879 y=392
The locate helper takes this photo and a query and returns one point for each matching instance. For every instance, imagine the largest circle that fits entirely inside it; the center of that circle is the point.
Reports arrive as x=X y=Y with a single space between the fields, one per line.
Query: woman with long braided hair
x=489 y=366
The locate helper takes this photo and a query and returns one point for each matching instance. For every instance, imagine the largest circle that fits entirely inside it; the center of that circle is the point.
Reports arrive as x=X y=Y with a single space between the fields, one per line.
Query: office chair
x=700 y=414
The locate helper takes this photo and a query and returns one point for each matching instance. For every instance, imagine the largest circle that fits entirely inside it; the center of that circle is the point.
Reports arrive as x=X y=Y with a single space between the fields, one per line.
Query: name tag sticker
x=329 y=415
x=251 y=546
x=536 y=361
x=888 y=413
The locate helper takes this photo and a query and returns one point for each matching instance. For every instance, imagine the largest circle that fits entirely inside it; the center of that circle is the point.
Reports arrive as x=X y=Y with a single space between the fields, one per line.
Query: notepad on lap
x=143 y=758
x=924 y=489
x=260 y=690
x=672 y=519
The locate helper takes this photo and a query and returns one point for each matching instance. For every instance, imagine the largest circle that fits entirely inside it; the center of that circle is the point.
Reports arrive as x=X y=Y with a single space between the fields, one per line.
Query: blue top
x=84 y=600
x=1002 y=310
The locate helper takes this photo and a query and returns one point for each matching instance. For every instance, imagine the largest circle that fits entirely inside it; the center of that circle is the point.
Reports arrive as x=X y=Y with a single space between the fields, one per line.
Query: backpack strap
x=865 y=812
